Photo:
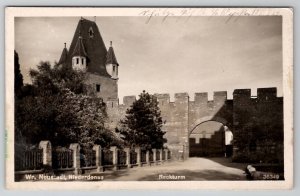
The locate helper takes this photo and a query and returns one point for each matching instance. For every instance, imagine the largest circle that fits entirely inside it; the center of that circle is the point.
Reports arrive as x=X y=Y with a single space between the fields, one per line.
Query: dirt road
x=191 y=169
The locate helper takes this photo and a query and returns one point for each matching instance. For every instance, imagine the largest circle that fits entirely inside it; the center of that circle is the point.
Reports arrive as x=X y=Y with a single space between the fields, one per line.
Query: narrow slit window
x=82 y=61
x=91 y=32
x=98 y=87
x=77 y=60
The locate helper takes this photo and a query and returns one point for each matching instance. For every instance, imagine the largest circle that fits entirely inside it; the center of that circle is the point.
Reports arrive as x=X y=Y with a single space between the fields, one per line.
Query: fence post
x=76 y=157
x=114 y=149
x=138 y=157
x=147 y=157
x=166 y=154
x=47 y=153
x=127 y=150
x=154 y=155
x=98 y=150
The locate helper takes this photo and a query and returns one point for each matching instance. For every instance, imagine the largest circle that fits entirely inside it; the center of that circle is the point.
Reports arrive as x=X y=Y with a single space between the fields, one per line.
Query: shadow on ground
x=227 y=162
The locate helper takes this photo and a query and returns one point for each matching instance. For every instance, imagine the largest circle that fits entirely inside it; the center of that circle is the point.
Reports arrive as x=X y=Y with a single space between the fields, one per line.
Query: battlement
x=266 y=93
x=181 y=95
x=242 y=92
x=201 y=98
x=163 y=98
x=262 y=93
x=242 y=95
x=220 y=96
x=128 y=100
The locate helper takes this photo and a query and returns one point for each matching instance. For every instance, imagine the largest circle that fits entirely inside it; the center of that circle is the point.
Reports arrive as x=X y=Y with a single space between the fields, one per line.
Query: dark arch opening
x=210 y=139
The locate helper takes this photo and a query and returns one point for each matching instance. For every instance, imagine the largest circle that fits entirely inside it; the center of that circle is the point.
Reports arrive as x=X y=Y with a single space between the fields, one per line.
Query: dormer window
x=91 y=32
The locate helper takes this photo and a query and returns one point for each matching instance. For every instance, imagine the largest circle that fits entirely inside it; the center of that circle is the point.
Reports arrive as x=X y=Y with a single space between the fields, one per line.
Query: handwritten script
x=186 y=13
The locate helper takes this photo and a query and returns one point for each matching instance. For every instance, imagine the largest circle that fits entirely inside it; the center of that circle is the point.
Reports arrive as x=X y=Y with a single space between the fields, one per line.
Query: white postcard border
x=287 y=35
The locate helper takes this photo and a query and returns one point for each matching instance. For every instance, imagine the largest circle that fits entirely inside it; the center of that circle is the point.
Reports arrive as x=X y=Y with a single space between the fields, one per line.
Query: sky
x=172 y=55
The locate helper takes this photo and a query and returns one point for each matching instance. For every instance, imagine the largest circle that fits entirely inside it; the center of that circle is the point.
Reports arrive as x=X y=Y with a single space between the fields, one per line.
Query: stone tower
x=88 y=52
x=112 y=65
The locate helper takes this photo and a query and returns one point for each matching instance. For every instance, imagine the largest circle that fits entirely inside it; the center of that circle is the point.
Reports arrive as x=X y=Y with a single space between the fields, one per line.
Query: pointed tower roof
x=91 y=45
x=111 y=57
x=64 y=56
x=79 y=48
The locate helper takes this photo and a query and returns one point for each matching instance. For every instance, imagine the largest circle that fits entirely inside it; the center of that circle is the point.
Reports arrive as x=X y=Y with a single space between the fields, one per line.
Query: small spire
x=65 y=45
x=111 y=57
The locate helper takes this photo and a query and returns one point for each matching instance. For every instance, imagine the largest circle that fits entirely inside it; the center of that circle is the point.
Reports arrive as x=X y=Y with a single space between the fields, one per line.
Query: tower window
x=91 y=32
x=82 y=61
x=77 y=60
x=98 y=87
x=114 y=68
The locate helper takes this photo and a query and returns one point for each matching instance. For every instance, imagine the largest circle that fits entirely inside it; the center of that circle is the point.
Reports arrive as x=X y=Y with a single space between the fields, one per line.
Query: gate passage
x=211 y=139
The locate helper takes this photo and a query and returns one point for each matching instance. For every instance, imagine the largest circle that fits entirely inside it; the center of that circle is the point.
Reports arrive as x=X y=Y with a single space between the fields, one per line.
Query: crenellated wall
x=182 y=116
x=252 y=116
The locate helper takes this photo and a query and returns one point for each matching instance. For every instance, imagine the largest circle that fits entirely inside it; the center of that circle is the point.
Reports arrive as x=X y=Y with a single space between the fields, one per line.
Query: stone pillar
x=148 y=157
x=154 y=155
x=138 y=157
x=76 y=157
x=166 y=154
x=114 y=149
x=160 y=155
x=98 y=150
x=127 y=150
x=47 y=153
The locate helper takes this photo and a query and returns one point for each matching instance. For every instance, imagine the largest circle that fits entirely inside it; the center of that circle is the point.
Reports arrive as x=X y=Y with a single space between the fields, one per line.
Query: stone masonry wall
x=108 y=86
x=182 y=115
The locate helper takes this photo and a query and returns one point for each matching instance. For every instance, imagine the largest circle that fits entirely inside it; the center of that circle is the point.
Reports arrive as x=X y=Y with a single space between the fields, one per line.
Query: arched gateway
x=183 y=117
x=210 y=139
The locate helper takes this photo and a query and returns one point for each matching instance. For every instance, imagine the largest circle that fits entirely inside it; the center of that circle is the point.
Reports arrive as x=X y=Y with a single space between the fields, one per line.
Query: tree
x=57 y=107
x=142 y=123
x=18 y=76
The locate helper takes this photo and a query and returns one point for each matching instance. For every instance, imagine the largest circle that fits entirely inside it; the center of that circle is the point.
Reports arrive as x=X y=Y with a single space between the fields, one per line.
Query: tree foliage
x=142 y=123
x=18 y=75
x=57 y=107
